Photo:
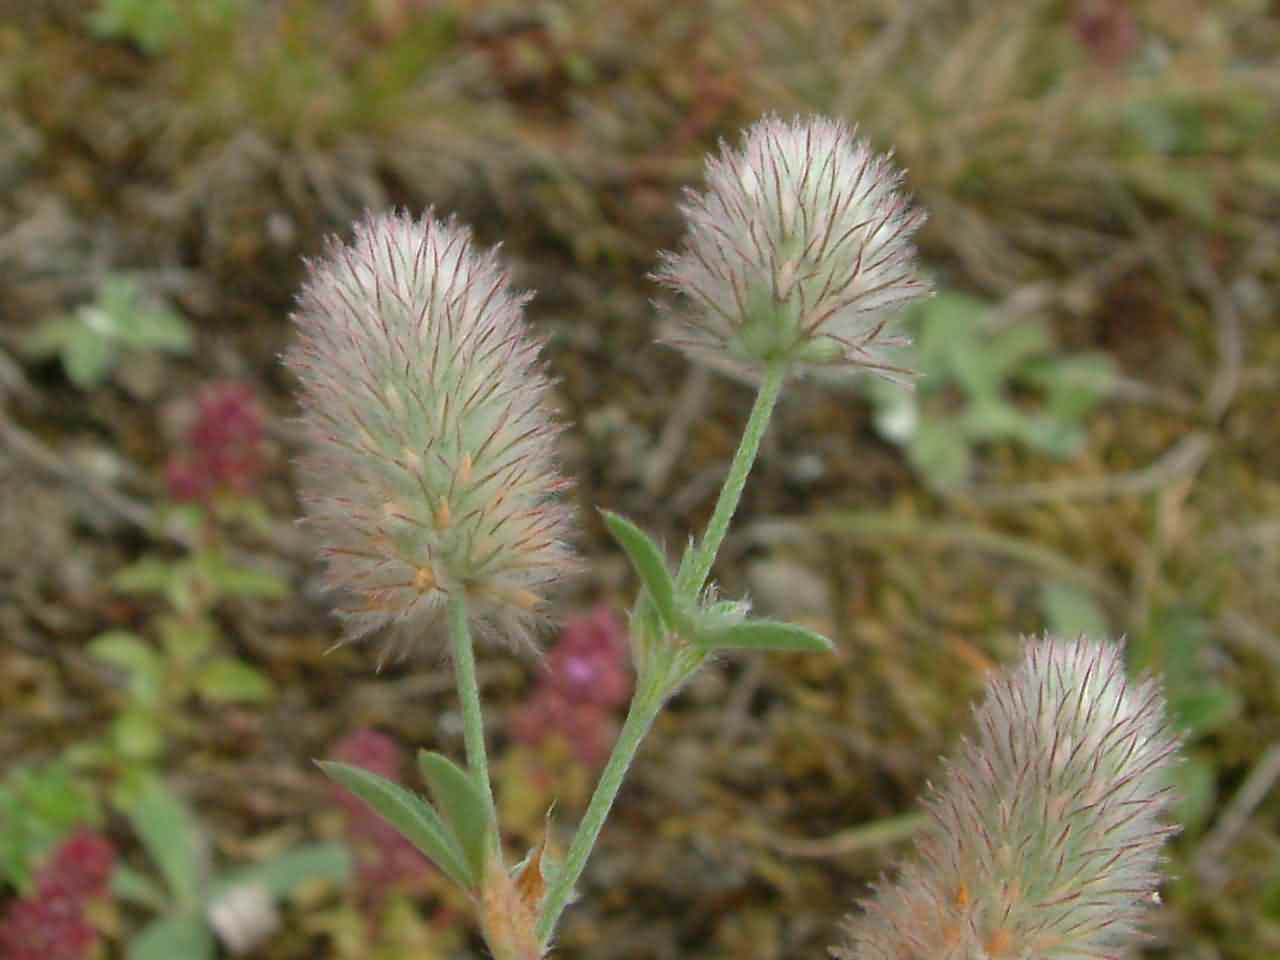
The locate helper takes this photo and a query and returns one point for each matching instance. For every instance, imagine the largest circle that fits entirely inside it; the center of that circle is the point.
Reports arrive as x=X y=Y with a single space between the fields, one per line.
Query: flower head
x=81 y=866
x=586 y=676
x=590 y=662
x=431 y=464
x=798 y=252
x=1046 y=832
x=50 y=924
x=225 y=445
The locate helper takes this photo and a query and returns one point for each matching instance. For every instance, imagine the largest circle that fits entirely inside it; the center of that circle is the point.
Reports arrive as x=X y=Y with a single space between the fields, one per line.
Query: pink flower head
x=590 y=662
x=588 y=728
x=50 y=924
x=46 y=926
x=224 y=448
x=1108 y=31
x=80 y=867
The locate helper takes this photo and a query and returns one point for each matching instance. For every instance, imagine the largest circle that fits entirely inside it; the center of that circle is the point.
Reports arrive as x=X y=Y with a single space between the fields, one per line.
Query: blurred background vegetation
x=1092 y=448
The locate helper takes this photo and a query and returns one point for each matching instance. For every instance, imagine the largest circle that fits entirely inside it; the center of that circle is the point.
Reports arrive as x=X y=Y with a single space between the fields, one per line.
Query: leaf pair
x=458 y=839
x=705 y=629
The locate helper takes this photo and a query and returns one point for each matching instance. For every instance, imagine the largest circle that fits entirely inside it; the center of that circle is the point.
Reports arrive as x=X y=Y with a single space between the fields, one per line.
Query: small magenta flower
x=50 y=924
x=590 y=662
x=798 y=253
x=586 y=676
x=81 y=866
x=588 y=728
x=224 y=446
x=1046 y=832
x=431 y=465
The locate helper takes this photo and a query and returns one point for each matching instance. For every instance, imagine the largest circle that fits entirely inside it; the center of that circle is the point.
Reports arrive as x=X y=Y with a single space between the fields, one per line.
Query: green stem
x=657 y=680
x=696 y=566
x=464 y=665
x=644 y=707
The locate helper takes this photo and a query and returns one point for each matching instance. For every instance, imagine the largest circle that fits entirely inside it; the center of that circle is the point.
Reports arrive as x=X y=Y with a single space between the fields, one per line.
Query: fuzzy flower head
x=798 y=253
x=431 y=461
x=1046 y=833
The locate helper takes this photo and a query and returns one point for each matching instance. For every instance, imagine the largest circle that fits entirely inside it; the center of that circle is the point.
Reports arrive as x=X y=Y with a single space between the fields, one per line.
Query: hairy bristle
x=1047 y=831
x=430 y=466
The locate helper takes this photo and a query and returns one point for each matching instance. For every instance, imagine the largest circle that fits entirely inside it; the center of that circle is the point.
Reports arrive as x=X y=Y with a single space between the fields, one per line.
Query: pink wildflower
x=50 y=924
x=224 y=449
x=590 y=662
x=587 y=674
x=80 y=867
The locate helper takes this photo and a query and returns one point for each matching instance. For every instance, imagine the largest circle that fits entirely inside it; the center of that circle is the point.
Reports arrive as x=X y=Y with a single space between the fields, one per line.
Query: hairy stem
x=464 y=665
x=656 y=682
x=696 y=566
x=644 y=707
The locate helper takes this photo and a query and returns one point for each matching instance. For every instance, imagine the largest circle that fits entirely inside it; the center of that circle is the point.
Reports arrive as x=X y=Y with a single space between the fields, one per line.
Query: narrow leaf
x=280 y=875
x=87 y=358
x=233 y=581
x=168 y=938
x=763 y=635
x=1070 y=611
x=128 y=652
x=171 y=838
x=649 y=563
x=463 y=804
x=133 y=887
x=228 y=680
x=156 y=328
x=137 y=733
x=51 y=336
x=412 y=816
x=148 y=575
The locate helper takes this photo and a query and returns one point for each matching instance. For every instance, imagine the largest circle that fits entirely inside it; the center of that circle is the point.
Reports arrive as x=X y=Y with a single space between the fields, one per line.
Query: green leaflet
x=763 y=635
x=412 y=816
x=649 y=564
x=462 y=804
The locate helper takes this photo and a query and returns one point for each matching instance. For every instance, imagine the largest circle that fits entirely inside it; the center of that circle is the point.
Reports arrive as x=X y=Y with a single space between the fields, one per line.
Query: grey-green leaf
x=280 y=875
x=233 y=581
x=763 y=635
x=649 y=563
x=463 y=805
x=412 y=816
x=172 y=839
x=228 y=680
x=51 y=336
x=128 y=652
x=1070 y=611
x=133 y=887
x=186 y=936
x=156 y=328
x=148 y=575
x=87 y=357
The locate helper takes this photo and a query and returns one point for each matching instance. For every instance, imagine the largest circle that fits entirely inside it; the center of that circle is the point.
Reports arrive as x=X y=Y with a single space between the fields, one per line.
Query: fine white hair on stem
x=1047 y=829
x=430 y=465
x=798 y=252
